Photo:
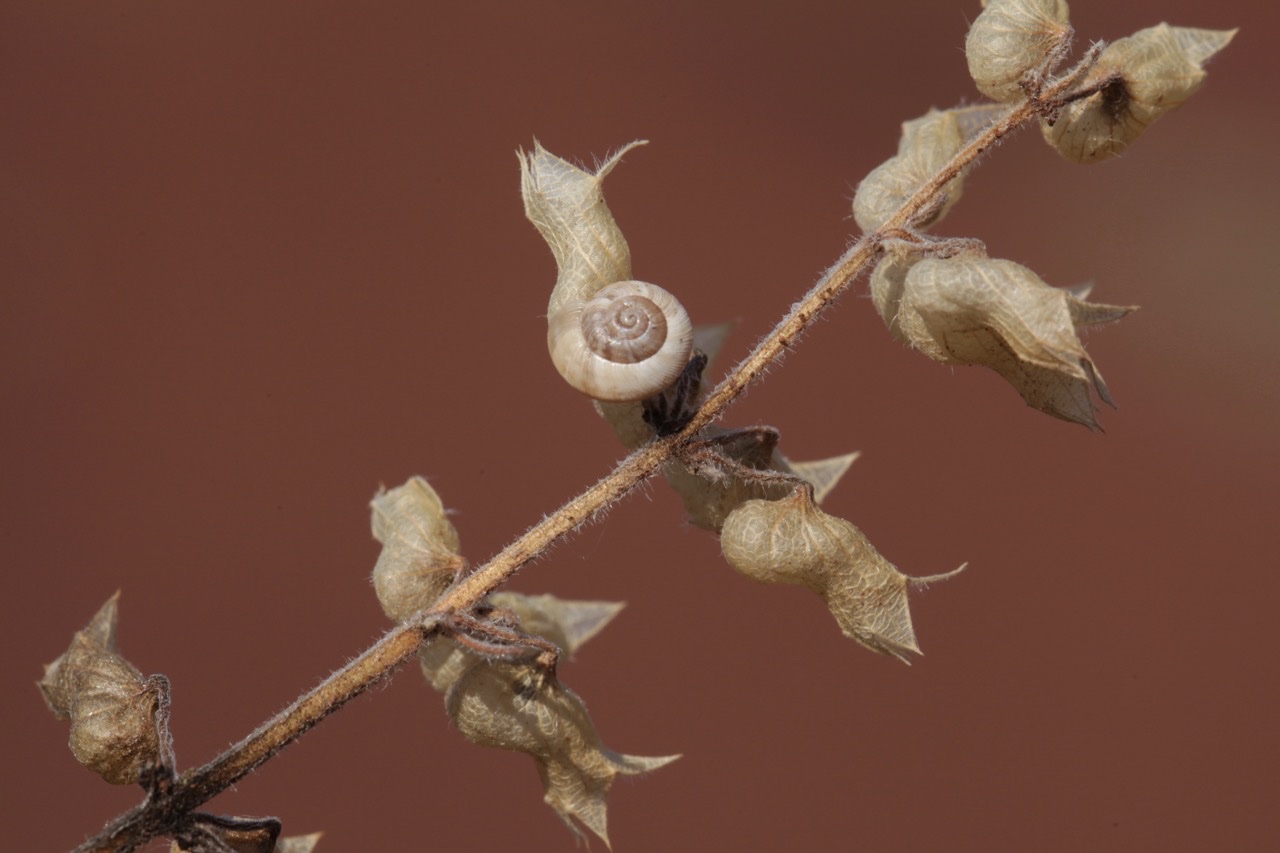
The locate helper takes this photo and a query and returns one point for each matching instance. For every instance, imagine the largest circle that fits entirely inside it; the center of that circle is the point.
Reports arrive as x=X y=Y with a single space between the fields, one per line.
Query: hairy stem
x=161 y=815
x=158 y=815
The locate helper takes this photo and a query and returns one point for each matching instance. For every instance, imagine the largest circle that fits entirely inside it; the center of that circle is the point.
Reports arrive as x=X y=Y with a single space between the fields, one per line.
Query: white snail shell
x=628 y=342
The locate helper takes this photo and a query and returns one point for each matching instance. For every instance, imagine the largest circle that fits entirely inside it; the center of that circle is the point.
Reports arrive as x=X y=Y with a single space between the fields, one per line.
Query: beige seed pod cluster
x=974 y=310
x=792 y=541
x=112 y=707
x=521 y=708
x=611 y=337
x=1150 y=73
x=1013 y=39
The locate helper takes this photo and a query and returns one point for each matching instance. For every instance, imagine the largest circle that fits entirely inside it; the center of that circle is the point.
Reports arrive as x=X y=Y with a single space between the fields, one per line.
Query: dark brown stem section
x=157 y=815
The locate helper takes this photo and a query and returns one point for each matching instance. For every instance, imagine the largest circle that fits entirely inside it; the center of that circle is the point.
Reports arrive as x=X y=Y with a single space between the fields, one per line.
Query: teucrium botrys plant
x=629 y=346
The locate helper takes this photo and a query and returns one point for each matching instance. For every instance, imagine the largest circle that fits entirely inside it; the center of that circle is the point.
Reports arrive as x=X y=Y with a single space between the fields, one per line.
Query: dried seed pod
x=419 y=548
x=523 y=708
x=1142 y=77
x=610 y=337
x=974 y=310
x=791 y=541
x=115 y=712
x=1012 y=40
x=927 y=144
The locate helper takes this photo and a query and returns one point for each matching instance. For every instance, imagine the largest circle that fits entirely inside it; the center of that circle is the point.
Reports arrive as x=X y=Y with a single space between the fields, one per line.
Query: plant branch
x=159 y=814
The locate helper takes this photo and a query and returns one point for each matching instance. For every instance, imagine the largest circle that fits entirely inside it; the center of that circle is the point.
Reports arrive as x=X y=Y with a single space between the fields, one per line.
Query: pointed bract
x=823 y=474
x=567 y=623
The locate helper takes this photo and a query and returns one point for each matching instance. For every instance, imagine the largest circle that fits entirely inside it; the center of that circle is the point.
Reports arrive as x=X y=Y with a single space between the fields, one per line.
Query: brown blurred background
x=259 y=259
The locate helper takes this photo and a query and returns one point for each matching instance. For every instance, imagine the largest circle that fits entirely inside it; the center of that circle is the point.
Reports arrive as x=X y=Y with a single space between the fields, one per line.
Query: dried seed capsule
x=113 y=708
x=927 y=143
x=791 y=541
x=523 y=708
x=975 y=310
x=419 y=548
x=1142 y=77
x=1011 y=40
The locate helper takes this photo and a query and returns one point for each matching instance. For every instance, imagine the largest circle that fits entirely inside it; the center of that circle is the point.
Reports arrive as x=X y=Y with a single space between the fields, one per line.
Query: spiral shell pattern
x=629 y=341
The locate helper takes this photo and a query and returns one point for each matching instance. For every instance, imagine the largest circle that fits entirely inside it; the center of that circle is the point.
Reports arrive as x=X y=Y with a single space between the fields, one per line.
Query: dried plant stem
x=159 y=815
x=162 y=815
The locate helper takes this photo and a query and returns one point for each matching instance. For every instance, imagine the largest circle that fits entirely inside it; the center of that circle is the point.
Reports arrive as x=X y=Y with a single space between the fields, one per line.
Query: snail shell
x=628 y=342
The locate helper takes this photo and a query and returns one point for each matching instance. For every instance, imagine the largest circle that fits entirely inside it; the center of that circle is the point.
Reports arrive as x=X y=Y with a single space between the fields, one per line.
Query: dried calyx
x=119 y=718
x=526 y=709
x=420 y=555
x=1014 y=43
x=611 y=337
x=792 y=541
x=1134 y=81
x=1014 y=46
x=973 y=310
